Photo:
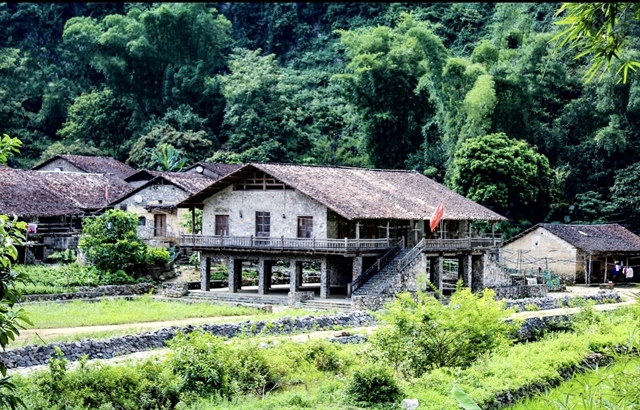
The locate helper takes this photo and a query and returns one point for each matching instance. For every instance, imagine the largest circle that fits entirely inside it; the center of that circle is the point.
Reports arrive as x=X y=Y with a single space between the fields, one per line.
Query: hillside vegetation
x=474 y=95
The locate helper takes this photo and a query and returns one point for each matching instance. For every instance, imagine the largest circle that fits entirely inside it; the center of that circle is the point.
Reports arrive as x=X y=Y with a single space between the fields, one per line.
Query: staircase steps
x=254 y=299
x=376 y=284
x=343 y=305
x=241 y=298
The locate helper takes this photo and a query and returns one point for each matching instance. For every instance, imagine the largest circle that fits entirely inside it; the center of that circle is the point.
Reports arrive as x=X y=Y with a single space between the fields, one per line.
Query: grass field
x=122 y=311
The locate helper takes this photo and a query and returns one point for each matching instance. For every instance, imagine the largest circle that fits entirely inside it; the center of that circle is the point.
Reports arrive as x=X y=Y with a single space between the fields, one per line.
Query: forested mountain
x=474 y=95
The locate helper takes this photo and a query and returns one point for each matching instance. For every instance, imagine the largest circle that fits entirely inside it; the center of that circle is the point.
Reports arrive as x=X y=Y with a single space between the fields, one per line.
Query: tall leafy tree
x=159 y=58
x=382 y=80
x=503 y=174
x=102 y=119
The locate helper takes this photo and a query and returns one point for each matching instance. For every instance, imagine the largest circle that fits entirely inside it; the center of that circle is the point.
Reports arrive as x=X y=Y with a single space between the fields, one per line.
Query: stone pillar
x=356 y=270
x=433 y=267
x=235 y=274
x=264 y=275
x=467 y=275
x=205 y=272
x=295 y=275
x=325 y=280
x=439 y=273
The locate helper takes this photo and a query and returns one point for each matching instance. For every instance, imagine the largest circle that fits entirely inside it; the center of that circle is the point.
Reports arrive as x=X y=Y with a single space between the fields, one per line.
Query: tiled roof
x=215 y=167
x=188 y=182
x=37 y=193
x=95 y=165
x=592 y=238
x=359 y=193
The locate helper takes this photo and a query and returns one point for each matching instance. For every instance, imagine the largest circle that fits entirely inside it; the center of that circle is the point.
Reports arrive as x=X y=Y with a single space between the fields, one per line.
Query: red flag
x=437 y=216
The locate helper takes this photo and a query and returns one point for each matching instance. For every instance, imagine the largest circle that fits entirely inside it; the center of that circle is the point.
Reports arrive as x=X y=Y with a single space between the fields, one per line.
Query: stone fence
x=117 y=346
x=85 y=292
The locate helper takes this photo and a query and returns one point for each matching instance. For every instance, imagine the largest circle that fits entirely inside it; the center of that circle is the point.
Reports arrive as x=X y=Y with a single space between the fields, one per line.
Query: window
x=222 y=225
x=305 y=227
x=160 y=225
x=123 y=207
x=142 y=221
x=263 y=224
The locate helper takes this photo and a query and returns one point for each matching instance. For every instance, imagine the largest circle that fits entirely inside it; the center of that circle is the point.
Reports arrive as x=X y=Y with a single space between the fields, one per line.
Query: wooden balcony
x=486 y=241
x=216 y=242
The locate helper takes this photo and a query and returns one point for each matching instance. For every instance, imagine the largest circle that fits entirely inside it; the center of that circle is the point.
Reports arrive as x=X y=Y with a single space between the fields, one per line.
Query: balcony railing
x=485 y=241
x=252 y=242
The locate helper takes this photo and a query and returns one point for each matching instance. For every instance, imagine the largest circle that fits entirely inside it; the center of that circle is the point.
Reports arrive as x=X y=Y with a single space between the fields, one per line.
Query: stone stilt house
x=367 y=229
x=576 y=253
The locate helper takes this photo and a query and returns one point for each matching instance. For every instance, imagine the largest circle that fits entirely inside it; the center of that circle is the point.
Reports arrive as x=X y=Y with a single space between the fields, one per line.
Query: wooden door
x=160 y=224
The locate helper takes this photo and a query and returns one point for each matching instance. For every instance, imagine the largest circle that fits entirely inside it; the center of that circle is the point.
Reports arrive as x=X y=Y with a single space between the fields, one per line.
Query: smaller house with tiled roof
x=214 y=170
x=154 y=199
x=86 y=164
x=576 y=253
x=55 y=203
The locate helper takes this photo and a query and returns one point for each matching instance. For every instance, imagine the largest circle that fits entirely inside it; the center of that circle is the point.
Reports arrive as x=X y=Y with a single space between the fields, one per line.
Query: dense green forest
x=474 y=95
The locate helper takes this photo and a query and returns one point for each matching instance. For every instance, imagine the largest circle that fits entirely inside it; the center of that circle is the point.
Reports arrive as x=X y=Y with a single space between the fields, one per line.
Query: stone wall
x=538 y=245
x=519 y=292
x=61 y=163
x=85 y=292
x=117 y=346
x=241 y=206
x=151 y=195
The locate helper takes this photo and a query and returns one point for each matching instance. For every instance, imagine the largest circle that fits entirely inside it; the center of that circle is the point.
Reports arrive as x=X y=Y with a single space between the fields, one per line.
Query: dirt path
x=35 y=335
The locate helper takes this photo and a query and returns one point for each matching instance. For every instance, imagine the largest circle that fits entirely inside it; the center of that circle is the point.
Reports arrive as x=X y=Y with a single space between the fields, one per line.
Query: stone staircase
x=378 y=283
x=252 y=299
x=237 y=298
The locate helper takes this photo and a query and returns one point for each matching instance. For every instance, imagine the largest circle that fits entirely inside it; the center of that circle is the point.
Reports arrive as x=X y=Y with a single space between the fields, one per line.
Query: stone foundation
x=95 y=292
x=297 y=297
x=175 y=289
x=520 y=292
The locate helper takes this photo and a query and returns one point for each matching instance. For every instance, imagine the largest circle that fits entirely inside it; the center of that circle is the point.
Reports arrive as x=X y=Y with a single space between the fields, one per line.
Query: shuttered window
x=305 y=227
x=263 y=224
x=222 y=225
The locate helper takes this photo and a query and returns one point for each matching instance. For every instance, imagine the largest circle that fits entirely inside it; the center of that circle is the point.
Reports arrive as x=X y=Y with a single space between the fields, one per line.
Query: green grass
x=121 y=311
x=610 y=387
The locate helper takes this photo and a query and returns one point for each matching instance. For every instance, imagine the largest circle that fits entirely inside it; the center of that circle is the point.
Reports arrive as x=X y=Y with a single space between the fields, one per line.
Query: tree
x=600 y=31
x=100 y=118
x=11 y=320
x=110 y=242
x=193 y=146
x=503 y=174
x=166 y=158
x=393 y=77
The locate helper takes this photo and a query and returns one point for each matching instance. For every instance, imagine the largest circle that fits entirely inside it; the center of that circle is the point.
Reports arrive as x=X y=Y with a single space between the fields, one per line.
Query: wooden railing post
x=251 y=241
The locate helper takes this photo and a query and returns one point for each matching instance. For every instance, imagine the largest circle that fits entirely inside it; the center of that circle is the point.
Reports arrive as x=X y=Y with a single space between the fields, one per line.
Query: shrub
x=157 y=256
x=424 y=334
x=144 y=386
x=249 y=369
x=372 y=385
x=531 y=307
x=119 y=277
x=66 y=256
x=201 y=360
x=110 y=241
x=323 y=355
